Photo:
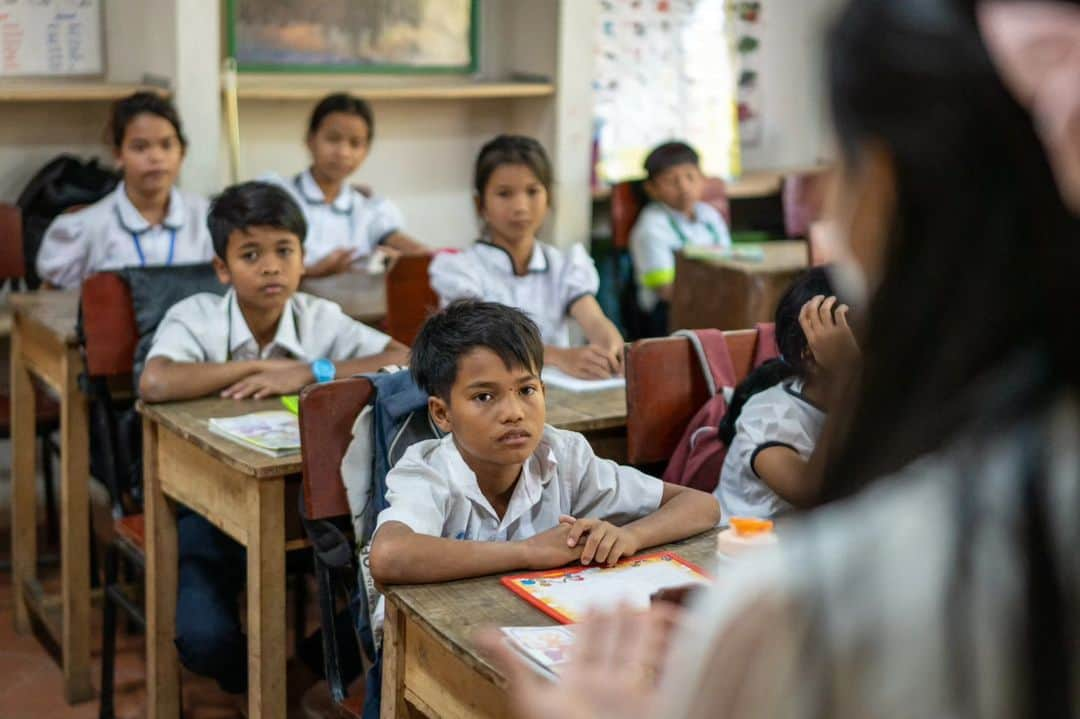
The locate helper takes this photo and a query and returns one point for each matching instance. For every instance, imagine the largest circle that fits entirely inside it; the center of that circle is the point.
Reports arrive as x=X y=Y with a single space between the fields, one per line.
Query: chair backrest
x=627 y=199
x=803 y=198
x=665 y=388
x=715 y=194
x=110 y=334
x=327 y=414
x=409 y=297
x=12 y=264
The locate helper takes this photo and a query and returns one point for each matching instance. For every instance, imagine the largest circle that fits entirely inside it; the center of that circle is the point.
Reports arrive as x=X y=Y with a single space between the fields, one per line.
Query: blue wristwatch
x=324 y=370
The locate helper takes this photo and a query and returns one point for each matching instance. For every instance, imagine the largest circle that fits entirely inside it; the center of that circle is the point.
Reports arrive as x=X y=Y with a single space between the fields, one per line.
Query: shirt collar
x=313 y=194
x=286 y=336
x=133 y=221
x=539 y=469
x=538 y=261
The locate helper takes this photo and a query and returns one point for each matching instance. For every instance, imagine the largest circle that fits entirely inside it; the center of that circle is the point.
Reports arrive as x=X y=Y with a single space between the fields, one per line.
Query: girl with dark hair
x=146 y=220
x=512 y=185
x=947 y=588
x=345 y=226
x=776 y=414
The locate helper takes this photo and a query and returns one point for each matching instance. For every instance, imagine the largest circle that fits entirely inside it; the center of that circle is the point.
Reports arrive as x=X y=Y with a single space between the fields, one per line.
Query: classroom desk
x=730 y=294
x=44 y=346
x=360 y=294
x=242 y=492
x=430 y=665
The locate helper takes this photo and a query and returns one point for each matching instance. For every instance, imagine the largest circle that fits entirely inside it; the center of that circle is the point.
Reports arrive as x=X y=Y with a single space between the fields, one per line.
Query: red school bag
x=700 y=454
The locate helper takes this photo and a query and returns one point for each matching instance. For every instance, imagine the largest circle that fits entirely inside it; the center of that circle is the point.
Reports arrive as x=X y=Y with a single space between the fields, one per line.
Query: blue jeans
x=209 y=637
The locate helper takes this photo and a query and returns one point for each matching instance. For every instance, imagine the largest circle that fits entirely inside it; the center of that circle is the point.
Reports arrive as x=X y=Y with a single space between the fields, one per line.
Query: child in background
x=512 y=182
x=146 y=220
x=502 y=490
x=674 y=219
x=345 y=226
x=776 y=414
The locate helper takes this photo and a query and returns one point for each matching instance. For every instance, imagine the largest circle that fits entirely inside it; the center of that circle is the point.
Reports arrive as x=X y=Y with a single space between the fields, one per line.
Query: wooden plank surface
x=253 y=86
x=586 y=411
x=23 y=482
x=361 y=295
x=56 y=311
x=266 y=625
x=448 y=610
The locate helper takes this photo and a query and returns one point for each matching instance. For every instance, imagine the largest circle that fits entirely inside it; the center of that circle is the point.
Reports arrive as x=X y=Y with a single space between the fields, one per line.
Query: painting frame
x=357 y=68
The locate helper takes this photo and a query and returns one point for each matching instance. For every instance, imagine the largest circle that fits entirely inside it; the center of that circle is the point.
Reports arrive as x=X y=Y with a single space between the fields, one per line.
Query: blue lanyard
x=682 y=238
x=139 y=251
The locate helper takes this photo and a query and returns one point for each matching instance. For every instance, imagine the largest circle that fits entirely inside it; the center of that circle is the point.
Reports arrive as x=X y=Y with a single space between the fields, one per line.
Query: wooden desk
x=44 y=346
x=429 y=663
x=361 y=295
x=729 y=294
x=587 y=412
x=240 y=491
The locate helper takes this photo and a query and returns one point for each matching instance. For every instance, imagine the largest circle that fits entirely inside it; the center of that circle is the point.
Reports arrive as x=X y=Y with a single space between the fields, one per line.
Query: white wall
x=796 y=131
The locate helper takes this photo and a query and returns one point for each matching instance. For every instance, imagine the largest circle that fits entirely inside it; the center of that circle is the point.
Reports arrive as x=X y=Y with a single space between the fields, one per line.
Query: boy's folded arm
x=164 y=379
x=395 y=353
x=683 y=512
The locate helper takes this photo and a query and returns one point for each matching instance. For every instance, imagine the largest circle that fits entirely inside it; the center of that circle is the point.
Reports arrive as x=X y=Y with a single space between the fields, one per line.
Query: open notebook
x=557 y=378
x=276 y=433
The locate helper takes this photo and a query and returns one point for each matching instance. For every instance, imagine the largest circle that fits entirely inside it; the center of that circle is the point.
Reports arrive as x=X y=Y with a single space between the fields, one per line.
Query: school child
x=262 y=338
x=146 y=220
x=512 y=185
x=502 y=490
x=345 y=226
x=675 y=218
x=777 y=413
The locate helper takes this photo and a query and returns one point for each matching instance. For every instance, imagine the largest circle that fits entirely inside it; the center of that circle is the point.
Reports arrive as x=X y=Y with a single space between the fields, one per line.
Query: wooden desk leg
x=393 y=701
x=266 y=598
x=23 y=479
x=162 y=663
x=75 y=533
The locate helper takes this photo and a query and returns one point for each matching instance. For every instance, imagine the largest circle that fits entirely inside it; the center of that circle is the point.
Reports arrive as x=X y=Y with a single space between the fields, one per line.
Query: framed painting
x=353 y=36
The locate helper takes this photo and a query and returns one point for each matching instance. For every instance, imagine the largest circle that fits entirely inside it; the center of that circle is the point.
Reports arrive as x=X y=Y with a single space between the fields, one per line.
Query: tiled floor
x=31 y=682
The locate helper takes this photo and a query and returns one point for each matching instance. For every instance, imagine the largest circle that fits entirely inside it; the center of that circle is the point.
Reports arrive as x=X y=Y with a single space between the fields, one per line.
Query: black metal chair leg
x=108 y=639
x=329 y=632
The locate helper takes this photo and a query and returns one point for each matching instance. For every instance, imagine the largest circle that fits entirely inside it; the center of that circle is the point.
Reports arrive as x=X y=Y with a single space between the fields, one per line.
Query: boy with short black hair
x=503 y=491
x=263 y=338
x=674 y=219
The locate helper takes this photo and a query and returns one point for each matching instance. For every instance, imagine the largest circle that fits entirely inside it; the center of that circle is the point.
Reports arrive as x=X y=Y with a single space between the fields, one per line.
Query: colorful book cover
x=276 y=432
x=546 y=648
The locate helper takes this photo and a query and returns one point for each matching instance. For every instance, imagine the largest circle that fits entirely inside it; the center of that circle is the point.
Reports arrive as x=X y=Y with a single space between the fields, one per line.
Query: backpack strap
x=766 y=343
x=712 y=353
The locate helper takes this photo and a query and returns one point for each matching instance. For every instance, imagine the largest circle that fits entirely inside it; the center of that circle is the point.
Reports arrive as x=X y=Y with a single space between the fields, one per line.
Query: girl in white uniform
x=777 y=413
x=146 y=220
x=508 y=265
x=345 y=226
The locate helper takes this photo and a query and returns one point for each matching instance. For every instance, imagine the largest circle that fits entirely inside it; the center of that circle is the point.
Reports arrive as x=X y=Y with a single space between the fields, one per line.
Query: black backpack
x=66 y=181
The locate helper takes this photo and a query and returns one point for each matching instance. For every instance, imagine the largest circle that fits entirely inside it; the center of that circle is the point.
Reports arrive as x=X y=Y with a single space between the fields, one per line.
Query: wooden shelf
x=292 y=87
x=69 y=91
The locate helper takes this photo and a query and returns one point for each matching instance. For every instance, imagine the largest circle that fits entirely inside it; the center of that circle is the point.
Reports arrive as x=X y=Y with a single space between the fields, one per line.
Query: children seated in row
x=146 y=220
x=503 y=490
x=675 y=218
x=777 y=413
x=512 y=185
x=345 y=226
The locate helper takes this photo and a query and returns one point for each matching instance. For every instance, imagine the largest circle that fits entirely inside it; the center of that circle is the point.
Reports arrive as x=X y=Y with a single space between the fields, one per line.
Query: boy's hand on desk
x=282 y=377
x=604 y=543
x=589 y=362
x=335 y=263
x=551 y=549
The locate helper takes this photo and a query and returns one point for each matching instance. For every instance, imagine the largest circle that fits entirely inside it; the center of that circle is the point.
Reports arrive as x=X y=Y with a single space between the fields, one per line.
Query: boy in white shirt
x=503 y=491
x=263 y=338
x=674 y=219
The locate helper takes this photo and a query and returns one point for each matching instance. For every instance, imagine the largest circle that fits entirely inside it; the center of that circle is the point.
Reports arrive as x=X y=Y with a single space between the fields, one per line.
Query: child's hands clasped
x=276 y=377
x=824 y=322
x=604 y=543
x=551 y=549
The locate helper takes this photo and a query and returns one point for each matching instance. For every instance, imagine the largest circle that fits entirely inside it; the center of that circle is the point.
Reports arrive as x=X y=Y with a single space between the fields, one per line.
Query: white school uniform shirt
x=211 y=328
x=777 y=417
x=432 y=491
x=352 y=220
x=659 y=233
x=111 y=234
x=553 y=282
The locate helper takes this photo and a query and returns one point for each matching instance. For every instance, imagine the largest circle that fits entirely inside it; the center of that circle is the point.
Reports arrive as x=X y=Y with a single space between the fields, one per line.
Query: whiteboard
x=50 y=37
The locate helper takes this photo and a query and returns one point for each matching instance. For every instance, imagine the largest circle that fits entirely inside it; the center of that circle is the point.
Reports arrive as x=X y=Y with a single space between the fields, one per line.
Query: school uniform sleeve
x=416 y=494
x=386 y=219
x=178 y=334
x=651 y=249
x=766 y=423
x=580 y=277
x=602 y=488
x=453 y=277
x=352 y=339
x=64 y=255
